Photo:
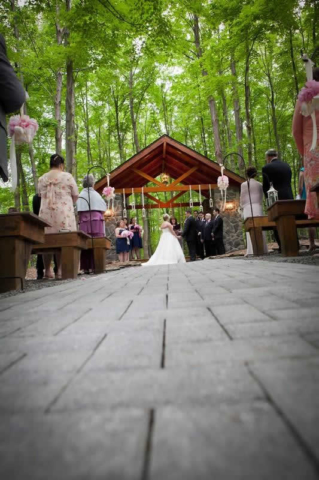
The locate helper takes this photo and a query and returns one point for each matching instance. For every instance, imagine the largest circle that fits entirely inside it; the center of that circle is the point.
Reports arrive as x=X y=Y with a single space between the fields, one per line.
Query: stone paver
x=198 y=371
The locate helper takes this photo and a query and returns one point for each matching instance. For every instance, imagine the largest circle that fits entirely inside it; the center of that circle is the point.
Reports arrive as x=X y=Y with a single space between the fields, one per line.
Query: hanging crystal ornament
x=143 y=209
x=124 y=205
x=200 y=199
x=191 y=203
x=211 y=203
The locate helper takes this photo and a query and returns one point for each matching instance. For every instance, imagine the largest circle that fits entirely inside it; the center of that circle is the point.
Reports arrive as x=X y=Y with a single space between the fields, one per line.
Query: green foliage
x=152 y=41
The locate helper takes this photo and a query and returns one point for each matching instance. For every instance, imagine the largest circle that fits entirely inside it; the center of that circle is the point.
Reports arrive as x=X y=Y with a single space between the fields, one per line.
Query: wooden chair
x=70 y=245
x=18 y=233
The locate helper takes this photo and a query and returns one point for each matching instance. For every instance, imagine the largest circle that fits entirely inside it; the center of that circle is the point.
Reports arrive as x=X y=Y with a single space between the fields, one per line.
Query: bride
x=168 y=250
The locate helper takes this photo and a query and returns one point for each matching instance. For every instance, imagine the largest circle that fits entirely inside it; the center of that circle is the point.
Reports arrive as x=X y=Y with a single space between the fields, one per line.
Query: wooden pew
x=289 y=216
x=99 y=245
x=18 y=233
x=70 y=245
x=255 y=228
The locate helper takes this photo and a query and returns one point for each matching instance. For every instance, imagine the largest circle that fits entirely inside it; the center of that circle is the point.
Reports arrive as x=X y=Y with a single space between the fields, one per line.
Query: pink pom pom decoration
x=108 y=193
x=23 y=128
x=223 y=182
x=310 y=91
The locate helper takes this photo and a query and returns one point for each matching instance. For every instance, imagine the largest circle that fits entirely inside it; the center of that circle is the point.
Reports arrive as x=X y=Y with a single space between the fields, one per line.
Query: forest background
x=106 y=78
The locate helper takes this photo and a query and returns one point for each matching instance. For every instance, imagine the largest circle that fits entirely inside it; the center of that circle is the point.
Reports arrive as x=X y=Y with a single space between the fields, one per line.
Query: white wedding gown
x=168 y=251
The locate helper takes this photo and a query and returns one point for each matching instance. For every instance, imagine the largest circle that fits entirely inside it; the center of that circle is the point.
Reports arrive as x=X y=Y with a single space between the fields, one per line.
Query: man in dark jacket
x=207 y=235
x=189 y=233
x=12 y=97
x=217 y=233
x=279 y=174
x=200 y=224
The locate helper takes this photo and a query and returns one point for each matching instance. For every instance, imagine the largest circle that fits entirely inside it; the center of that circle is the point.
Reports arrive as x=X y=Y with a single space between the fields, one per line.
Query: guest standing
x=91 y=207
x=12 y=97
x=200 y=226
x=256 y=198
x=279 y=174
x=136 y=242
x=207 y=235
x=217 y=233
x=302 y=130
x=123 y=246
x=36 y=205
x=189 y=233
x=303 y=196
x=58 y=192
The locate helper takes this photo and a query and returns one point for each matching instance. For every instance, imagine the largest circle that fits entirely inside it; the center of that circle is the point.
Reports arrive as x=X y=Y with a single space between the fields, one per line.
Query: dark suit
x=207 y=236
x=36 y=205
x=279 y=174
x=217 y=235
x=189 y=233
x=12 y=97
x=200 y=224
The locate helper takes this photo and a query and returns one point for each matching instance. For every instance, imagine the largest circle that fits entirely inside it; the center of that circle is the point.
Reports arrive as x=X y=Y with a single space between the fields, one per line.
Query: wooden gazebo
x=166 y=157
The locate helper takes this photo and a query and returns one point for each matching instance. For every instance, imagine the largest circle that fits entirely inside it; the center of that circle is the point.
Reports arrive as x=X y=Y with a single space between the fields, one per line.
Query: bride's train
x=168 y=251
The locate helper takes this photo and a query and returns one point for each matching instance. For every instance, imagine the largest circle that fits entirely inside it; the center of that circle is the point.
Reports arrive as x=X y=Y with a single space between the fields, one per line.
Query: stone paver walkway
x=203 y=371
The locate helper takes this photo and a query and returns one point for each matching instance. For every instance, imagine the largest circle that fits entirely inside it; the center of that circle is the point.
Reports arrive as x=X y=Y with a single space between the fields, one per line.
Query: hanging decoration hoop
x=211 y=203
x=223 y=183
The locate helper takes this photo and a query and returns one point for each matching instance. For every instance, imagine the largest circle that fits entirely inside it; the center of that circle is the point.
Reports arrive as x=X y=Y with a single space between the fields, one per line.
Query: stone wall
x=110 y=225
x=233 y=233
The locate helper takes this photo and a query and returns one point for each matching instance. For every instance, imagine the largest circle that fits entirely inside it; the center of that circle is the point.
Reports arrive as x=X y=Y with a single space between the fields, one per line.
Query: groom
x=190 y=234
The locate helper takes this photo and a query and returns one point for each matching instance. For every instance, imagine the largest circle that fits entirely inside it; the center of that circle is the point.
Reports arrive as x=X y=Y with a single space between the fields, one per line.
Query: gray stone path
x=203 y=371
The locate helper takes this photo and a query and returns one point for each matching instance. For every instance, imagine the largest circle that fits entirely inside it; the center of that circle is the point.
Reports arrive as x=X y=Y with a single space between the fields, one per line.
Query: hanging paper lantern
x=223 y=183
x=22 y=129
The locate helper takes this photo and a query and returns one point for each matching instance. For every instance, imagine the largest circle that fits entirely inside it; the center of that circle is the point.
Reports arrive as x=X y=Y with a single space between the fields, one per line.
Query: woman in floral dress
x=58 y=192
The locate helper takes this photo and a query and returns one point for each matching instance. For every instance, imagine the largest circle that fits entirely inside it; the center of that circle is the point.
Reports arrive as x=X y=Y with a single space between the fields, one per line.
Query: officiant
x=91 y=207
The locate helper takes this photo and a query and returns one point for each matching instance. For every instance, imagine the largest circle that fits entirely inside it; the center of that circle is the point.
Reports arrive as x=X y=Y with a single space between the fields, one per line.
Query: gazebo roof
x=172 y=157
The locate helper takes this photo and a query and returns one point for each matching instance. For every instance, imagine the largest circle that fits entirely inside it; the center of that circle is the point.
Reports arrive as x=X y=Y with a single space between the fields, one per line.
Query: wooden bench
x=70 y=245
x=255 y=226
x=289 y=216
x=18 y=233
x=99 y=245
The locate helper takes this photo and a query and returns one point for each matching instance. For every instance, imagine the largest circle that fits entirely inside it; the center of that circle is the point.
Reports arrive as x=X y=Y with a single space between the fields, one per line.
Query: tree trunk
x=87 y=125
x=164 y=105
x=236 y=104
x=25 y=200
x=247 y=106
x=33 y=167
x=17 y=199
x=226 y=121
x=69 y=105
x=58 y=95
x=118 y=126
x=203 y=135
x=211 y=100
x=294 y=69
x=133 y=117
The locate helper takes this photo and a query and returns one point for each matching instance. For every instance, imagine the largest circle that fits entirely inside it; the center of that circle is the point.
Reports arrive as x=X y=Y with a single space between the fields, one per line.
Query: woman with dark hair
x=177 y=229
x=90 y=207
x=255 y=196
x=58 y=192
x=302 y=130
x=123 y=245
x=136 y=242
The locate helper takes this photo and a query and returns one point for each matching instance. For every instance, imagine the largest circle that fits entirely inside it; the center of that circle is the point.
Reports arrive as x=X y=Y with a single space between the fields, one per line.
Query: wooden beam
x=182 y=177
x=164 y=149
x=152 y=206
x=163 y=188
x=177 y=196
x=156 y=200
x=148 y=177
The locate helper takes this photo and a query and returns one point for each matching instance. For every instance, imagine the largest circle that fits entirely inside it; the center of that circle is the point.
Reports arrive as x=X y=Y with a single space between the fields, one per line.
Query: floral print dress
x=58 y=192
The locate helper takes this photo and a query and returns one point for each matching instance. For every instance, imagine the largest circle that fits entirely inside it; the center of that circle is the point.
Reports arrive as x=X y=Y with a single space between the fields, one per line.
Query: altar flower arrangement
x=108 y=193
x=22 y=129
x=128 y=235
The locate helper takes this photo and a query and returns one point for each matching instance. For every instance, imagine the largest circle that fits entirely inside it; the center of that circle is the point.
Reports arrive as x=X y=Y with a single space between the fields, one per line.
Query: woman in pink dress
x=58 y=192
x=302 y=132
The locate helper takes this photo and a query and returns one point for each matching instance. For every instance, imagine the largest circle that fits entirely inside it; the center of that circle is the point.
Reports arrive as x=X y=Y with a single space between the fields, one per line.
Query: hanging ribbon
x=191 y=204
x=133 y=201
x=124 y=205
x=143 y=209
x=200 y=199
x=211 y=203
